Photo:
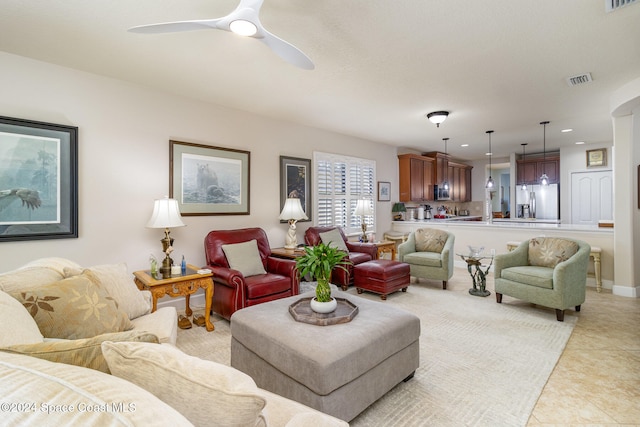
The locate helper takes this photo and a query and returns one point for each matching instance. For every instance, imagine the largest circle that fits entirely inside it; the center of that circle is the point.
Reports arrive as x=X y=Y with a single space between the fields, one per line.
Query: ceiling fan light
x=437 y=117
x=243 y=27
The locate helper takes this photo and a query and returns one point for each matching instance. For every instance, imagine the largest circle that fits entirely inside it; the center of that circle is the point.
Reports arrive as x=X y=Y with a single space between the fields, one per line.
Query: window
x=339 y=182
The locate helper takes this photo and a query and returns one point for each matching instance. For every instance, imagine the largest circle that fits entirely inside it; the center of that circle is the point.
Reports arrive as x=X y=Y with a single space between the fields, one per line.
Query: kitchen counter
x=528 y=220
x=449 y=218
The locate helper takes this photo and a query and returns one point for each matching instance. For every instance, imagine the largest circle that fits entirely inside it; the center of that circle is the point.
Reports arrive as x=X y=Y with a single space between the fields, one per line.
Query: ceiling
x=380 y=66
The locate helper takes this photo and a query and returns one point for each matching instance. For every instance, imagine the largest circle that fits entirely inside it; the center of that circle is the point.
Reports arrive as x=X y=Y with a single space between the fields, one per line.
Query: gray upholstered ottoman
x=338 y=369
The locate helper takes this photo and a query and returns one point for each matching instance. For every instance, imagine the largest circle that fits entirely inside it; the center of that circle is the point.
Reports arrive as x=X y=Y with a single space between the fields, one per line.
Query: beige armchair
x=429 y=253
x=547 y=271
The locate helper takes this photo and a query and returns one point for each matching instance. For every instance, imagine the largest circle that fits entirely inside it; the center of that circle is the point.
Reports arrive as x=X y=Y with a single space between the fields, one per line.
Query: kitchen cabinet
x=419 y=175
x=416 y=178
x=460 y=182
x=529 y=171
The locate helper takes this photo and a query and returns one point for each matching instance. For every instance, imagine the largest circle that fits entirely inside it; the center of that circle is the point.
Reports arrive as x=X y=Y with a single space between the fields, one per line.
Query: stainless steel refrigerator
x=537 y=201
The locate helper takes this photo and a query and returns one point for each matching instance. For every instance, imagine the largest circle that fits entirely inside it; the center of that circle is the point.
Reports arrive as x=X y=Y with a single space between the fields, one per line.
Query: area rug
x=481 y=363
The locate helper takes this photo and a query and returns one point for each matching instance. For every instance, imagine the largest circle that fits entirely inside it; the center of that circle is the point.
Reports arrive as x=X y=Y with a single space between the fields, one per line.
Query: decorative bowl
x=475 y=250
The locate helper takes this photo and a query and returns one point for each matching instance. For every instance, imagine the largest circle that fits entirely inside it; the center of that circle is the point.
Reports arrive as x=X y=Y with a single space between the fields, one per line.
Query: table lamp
x=166 y=214
x=363 y=207
x=292 y=212
x=398 y=209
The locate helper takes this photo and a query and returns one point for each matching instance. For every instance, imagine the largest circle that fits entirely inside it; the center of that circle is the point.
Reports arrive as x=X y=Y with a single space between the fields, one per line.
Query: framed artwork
x=384 y=191
x=208 y=180
x=38 y=180
x=597 y=157
x=295 y=181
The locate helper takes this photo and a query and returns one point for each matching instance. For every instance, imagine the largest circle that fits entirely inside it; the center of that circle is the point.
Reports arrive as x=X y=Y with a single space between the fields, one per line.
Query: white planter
x=323 y=307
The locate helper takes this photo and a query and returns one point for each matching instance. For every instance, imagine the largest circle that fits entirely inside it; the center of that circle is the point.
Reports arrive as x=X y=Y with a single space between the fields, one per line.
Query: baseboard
x=626 y=291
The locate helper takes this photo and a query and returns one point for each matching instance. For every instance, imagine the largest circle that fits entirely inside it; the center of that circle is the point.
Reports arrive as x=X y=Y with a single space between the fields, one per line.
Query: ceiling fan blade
x=174 y=27
x=287 y=51
x=247 y=10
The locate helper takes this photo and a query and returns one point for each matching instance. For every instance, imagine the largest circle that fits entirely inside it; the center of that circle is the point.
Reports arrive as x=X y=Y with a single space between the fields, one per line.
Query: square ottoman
x=381 y=276
x=338 y=369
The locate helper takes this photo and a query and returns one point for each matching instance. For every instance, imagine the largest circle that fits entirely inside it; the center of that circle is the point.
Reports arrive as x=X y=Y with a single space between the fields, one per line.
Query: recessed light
x=579 y=142
x=488 y=154
x=464 y=145
x=566 y=130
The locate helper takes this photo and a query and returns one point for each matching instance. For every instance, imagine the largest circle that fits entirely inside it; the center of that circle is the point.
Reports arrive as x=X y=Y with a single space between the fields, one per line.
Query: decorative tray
x=344 y=312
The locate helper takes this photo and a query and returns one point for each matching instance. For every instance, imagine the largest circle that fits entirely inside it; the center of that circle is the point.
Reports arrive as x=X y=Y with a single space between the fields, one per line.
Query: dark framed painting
x=384 y=191
x=38 y=180
x=295 y=181
x=208 y=180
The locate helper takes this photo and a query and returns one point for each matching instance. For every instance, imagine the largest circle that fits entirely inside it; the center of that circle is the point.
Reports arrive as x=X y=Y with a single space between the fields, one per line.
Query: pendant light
x=445 y=183
x=524 y=157
x=489 y=184
x=544 y=179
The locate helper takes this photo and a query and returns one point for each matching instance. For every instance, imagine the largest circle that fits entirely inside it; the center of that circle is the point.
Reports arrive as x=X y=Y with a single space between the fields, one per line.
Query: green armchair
x=547 y=271
x=429 y=253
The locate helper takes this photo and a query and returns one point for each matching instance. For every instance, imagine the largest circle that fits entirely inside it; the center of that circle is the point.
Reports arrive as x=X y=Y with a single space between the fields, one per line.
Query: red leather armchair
x=233 y=291
x=358 y=253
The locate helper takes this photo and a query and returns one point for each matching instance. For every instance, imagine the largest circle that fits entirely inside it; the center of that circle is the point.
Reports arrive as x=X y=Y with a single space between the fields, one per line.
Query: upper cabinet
x=460 y=182
x=420 y=174
x=416 y=178
x=530 y=170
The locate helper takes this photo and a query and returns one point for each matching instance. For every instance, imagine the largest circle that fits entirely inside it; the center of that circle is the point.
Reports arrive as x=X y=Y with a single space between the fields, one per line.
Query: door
x=591 y=197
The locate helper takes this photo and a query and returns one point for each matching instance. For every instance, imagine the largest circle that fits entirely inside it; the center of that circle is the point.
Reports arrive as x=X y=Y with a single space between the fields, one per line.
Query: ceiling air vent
x=611 y=5
x=579 y=79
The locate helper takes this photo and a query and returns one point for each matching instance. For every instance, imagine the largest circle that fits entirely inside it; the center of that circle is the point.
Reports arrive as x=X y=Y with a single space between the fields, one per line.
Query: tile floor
x=597 y=379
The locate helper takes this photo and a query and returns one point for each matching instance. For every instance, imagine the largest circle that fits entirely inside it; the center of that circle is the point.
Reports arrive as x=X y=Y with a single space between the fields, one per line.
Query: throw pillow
x=430 y=240
x=28 y=277
x=244 y=257
x=85 y=352
x=550 y=251
x=119 y=284
x=19 y=326
x=73 y=308
x=204 y=392
x=334 y=238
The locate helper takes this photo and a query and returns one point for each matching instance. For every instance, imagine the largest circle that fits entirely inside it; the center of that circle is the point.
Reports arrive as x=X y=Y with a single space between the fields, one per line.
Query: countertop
x=496 y=223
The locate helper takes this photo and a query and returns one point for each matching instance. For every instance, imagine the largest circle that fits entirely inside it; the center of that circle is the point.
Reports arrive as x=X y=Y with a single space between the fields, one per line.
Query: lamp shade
x=363 y=207
x=166 y=214
x=398 y=207
x=292 y=210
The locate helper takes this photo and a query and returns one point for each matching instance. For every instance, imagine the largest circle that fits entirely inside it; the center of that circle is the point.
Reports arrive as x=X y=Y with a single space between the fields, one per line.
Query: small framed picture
x=384 y=191
x=597 y=157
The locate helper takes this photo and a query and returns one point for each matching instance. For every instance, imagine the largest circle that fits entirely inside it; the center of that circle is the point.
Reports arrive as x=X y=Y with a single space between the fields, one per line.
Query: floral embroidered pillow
x=430 y=240
x=73 y=308
x=550 y=251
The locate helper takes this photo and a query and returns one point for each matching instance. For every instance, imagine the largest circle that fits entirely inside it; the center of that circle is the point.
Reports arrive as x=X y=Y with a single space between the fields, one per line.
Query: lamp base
x=364 y=238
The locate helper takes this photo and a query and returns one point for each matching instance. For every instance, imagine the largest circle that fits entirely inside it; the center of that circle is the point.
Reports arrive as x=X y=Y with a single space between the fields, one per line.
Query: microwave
x=440 y=193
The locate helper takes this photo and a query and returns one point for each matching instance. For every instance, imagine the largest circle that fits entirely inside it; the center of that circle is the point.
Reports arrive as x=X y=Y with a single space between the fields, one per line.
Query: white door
x=591 y=197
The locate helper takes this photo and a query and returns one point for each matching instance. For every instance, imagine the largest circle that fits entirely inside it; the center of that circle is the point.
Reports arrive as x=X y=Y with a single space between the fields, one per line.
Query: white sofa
x=129 y=373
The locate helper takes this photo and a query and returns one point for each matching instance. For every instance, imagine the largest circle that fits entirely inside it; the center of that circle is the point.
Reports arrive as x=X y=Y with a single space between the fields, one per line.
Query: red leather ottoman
x=381 y=276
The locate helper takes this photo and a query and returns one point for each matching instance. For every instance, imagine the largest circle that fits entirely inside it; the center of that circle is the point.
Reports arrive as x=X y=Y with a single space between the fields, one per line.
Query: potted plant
x=319 y=261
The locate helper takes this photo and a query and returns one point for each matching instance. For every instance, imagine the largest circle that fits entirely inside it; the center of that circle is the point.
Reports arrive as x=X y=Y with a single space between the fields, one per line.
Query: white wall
x=124 y=133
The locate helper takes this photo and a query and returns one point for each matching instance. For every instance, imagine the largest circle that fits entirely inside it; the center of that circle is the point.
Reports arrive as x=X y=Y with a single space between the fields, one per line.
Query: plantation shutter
x=340 y=182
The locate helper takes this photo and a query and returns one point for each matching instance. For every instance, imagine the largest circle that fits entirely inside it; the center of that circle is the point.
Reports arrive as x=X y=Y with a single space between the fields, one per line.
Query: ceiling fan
x=243 y=21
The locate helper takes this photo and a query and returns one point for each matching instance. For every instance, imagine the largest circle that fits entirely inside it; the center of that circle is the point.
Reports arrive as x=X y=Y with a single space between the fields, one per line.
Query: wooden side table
x=287 y=253
x=386 y=246
x=176 y=286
